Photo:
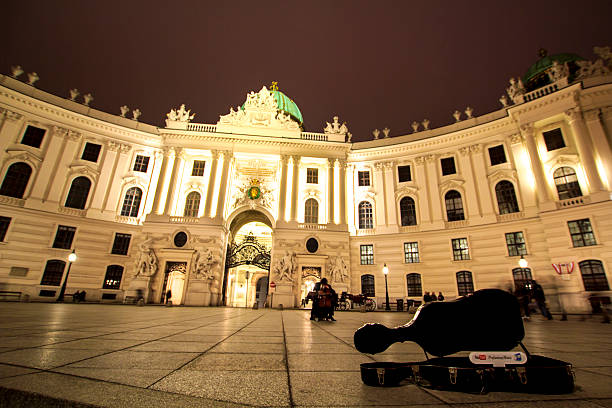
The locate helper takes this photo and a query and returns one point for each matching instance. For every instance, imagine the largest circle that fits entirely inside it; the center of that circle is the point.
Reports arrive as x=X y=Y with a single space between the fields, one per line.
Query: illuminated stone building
x=217 y=213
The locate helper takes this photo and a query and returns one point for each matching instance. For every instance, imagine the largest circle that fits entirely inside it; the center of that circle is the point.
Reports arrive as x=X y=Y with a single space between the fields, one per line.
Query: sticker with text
x=498 y=358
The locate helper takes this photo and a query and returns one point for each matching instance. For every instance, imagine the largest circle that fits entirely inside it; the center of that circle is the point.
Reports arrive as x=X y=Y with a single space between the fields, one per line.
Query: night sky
x=373 y=63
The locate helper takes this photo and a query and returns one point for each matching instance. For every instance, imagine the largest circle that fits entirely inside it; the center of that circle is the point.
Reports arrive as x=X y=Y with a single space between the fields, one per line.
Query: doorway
x=174 y=281
x=261 y=291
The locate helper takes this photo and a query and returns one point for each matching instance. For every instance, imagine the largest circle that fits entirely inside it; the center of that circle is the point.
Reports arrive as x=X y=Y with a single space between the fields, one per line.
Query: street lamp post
x=246 y=295
x=71 y=258
x=386 y=272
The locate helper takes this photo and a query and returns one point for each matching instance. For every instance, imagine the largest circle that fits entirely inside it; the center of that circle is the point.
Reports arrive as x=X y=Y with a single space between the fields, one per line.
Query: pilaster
x=282 y=194
x=601 y=145
x=543 y=192
x=210 y=189
x=471 y=199
x=222 y=187
x=295 y=187
x=174 y=182
x=330 y=191
x=342 y=188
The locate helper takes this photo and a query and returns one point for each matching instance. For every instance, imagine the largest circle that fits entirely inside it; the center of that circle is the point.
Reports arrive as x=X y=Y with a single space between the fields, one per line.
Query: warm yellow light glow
x=217 y=187
x=336 y=215
x=290 y=187
x=164 y=188
x=385 y=269
x=601 y=169
x=523 y=262
x=528 y=172
x=582 y=179
x=179 y=202
x=72 y=257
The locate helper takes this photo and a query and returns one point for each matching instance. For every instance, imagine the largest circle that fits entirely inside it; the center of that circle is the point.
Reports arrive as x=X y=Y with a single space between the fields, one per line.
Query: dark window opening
x=63 y=237
x=141 y=163
x=121 y=244
x=448 y=166
x=367 y=285
x=553 y=139
x=91 y=152
x=33 y=136
x=403 y=174
x=497 y=155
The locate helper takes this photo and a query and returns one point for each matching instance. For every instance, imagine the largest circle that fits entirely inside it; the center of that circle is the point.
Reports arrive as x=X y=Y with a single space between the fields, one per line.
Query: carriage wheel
x=370 y=305
x=343 y=305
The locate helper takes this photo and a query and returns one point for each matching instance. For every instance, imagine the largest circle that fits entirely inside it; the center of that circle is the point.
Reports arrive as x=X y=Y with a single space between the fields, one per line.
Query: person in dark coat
x=168 y=296
x=440 y=297
x=426 y=297
x=522 y=294
x=537 y=292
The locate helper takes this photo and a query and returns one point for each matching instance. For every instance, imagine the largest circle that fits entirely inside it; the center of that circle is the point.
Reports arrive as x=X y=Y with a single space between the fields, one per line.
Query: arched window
x=365 y=215
x=54 y=270
x=112 y=279
x=192 y=204
x=16 y=180
x=521 y=276
x=131 y=202
x=407 y=211
x=465 y=285
x=367 y=285
x=506 y=198
x=311 y=211
x=454 y=206
x=79 y=190
x=593 y=275
x=413 y=283
x=567 y=183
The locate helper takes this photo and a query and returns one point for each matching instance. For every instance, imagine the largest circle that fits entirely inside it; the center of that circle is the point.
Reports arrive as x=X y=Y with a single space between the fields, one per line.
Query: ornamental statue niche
x=204 y=263
x=337 y=269
x=147 y=263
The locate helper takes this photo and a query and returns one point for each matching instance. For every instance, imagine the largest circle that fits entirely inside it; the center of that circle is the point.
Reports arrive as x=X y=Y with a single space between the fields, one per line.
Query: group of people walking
x=427 y=297
x=530 y=290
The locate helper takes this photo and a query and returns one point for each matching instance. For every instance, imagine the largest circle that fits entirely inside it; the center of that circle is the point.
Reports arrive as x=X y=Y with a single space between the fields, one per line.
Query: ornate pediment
x=405 y=191
x=451 y=185
x=84 y=170
x=499 y=175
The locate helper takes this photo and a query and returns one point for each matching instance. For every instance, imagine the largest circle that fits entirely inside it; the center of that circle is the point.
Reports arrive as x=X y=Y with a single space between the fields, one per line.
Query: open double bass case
x=487 y=323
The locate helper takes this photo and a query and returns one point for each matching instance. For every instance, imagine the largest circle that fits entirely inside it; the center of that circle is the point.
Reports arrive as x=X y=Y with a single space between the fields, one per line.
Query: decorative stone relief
x=457 y=115
x=136 y=114
x=527 y=129
x=415 y=126
x=204 y=264
x=504 y=101
x=10 y=115
x=476 y=148
x=284 y=269
x=557 y=71
x=516 y=139
x=405 y=191
x=386 y=132
x=59 y=131
x=87 y=99
x=335 y=128
x=180 y=115
x=451 y=185
x=573 y=114
x=425 y=124
x=337 y=269
x=430 y=158
x=147 y=263
x=254 y=193
x=420 y=160
x=500 y=175
x=592 y=115
x=601 y=66
x=376 y=132
x=468 y=112
x=464 y=150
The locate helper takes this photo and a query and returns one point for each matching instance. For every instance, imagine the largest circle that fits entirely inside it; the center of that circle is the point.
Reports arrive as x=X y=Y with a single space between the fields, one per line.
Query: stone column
x=470 y=201
x=106 y=171
x=162 y=183
x=600 y=143
x=113 y=200
x=174 y=188
x=282 y=194
x=330 y=191
x=73 y=143
x=49 y=166
x=543 y=192
x=154 y=174
x=389 y=188
x=435 y=201
x=524 y=173
x=227 y=157
x=350 y=192
x=379 y=187
x=420 y=177
x=210 y=188
x=482 y=182
x=295 y=187
x=585 y=149
x=342 y=188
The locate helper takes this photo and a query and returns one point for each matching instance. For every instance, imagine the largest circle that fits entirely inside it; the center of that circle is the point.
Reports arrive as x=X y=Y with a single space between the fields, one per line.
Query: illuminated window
x=521 y=276
x=311 y=211
x=366 y=254
x=79 y=190
x=112 y=279
x=198 y=168
x=413 y=284
x=516 y=244
x=192 y=204
x=454 y=206
x=312 y=176
x=131 y=202
x=581 y=232
x=366 y=220
x=411 y=252
x=593 y=275
x=506 y=198
x=567 y=183
x=461 y=251
x=363 y=178
x=141 y=163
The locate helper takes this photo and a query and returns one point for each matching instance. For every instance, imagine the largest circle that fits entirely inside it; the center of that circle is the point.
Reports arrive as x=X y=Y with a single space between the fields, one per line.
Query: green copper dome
x=287 y=105
x=545 y=62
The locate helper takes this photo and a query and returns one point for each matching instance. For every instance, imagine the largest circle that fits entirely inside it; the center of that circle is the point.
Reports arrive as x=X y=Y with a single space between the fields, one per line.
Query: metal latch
x=522 y=374
x=381 y=375
x=452 y=375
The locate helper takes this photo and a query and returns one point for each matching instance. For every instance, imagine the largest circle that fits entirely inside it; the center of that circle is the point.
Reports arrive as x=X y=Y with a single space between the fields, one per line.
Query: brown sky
x=373 y=63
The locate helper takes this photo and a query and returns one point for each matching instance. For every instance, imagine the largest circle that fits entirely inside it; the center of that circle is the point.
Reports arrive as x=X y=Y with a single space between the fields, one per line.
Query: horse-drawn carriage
x=344 y=303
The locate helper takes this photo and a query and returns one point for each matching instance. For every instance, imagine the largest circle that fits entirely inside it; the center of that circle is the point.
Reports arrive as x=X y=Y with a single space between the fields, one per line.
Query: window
x=593 y=275
x=33 y=136
x=407 y=212
x=141 y=163
x=403 y=173
x=506 y=198
x=63 y=237
x=367 y=285
x=131 y=202
x=311 y=211
x=363 y=178
x=16 y=180
x=413 y=284
x=366 y=253
x=4 y=224
x=497 y=155
x=79 y=190
x=365 y=215
x=465 y=285
x=521 y=276
x=312 y=175
x=454 y=206
x=553 y=139
x=54 y=270
x=121 y=244
x=581 y=233
x=567 y=183
x=112 y=279
x=448 y=166
x=91 y=152
x=516 y=244
x=411 y=252
x=461 y=251
x=192 y=204
x=198 y=168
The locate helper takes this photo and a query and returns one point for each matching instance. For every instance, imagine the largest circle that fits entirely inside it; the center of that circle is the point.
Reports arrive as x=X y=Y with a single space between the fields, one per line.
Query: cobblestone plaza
x=83 y=355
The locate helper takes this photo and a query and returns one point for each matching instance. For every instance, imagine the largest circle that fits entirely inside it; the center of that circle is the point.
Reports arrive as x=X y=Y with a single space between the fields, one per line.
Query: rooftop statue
x=73 y=94
x=336 y=127
x=180 y=115
x=602 y=66
x=376 y=132
x=557 y=71
x=16 y=71
x=515 y=90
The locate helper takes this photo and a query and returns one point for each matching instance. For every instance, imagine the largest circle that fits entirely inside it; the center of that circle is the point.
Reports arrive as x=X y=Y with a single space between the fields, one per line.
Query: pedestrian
x=82 y=296
x=76 y=296
x=522 y=294
x=426 y=297
x=168 y=296
x=440 y=297
x=538 y=295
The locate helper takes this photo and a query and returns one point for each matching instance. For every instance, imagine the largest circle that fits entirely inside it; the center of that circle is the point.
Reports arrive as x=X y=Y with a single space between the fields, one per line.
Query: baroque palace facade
x=253 y=210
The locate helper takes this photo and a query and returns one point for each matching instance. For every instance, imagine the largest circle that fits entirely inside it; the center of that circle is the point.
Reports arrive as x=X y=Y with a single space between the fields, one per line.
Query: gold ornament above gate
x=254 y=192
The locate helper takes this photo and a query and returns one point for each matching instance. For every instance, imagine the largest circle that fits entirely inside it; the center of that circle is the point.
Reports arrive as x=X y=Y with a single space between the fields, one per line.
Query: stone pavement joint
x=71 y=355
